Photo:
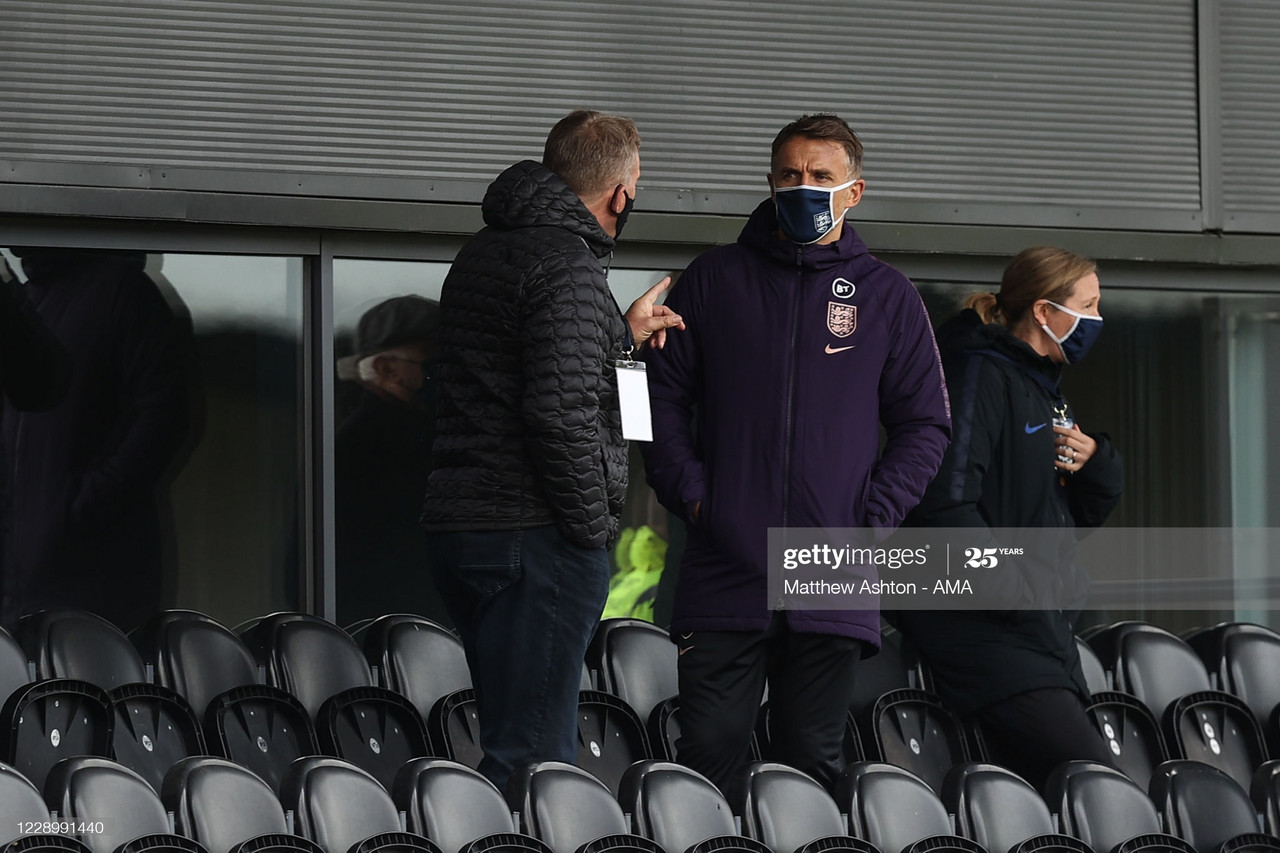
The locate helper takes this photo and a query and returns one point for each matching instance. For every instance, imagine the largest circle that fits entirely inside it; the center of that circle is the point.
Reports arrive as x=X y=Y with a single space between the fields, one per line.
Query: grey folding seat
x=23 y=815
x=1105 y=808
x=636 y=661
x=195 y=655
x=1205 y=806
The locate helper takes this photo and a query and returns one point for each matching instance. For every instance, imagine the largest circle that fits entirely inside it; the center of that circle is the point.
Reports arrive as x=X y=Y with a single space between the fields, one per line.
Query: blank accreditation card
x=633 y=398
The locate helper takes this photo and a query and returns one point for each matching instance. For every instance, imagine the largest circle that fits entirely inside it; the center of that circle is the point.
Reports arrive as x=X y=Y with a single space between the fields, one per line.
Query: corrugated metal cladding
x=1018 y=111
x=1250 y=104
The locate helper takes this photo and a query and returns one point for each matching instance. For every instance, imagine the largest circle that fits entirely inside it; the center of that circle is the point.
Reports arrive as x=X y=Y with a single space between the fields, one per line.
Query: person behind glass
x=767 y=413
x=83 y=479
x=530 y=467
x=382 y=458
x=1020 y=460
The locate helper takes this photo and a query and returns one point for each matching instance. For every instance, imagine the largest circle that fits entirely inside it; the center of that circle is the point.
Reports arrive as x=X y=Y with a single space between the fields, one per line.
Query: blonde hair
x=1041 y=272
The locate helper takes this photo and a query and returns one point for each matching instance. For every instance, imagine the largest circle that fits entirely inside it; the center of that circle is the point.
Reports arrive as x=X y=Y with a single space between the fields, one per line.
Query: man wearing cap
x=382 y=457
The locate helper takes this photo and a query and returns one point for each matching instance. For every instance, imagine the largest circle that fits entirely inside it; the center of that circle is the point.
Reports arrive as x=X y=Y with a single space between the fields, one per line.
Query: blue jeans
x=526 y=603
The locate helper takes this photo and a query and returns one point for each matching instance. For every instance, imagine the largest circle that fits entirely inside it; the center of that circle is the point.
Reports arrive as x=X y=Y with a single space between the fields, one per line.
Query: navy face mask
x=1079 y=338
x=807 y=214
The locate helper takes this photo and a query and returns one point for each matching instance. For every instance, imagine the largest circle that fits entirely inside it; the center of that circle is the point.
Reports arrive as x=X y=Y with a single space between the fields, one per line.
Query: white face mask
x=807 y=214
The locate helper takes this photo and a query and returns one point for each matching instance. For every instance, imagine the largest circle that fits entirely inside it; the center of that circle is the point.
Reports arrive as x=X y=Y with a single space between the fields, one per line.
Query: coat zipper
x=791 y=388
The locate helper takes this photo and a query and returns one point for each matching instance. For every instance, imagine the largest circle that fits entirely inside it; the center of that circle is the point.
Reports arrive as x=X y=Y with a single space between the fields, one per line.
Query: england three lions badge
x=841 y=319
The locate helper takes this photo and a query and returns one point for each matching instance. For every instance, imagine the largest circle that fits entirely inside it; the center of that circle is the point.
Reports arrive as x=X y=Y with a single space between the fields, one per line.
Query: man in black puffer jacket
x=530 y=466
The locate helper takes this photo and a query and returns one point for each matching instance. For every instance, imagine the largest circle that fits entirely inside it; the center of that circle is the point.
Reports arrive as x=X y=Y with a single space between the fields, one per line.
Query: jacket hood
x=529 y=194
x=966 y=333
x=761 y=234
x=41 y=264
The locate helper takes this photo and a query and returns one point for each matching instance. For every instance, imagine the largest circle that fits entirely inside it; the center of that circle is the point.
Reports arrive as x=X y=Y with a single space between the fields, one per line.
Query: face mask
x=1079 y=338
x=626 y=211
x=807 y=214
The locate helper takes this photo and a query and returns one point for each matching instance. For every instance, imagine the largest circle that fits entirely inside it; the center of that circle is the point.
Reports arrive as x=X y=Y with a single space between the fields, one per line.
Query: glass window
x=213 y=486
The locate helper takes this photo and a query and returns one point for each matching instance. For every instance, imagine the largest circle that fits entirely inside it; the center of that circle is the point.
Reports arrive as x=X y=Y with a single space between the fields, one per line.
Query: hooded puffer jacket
x=528 y=431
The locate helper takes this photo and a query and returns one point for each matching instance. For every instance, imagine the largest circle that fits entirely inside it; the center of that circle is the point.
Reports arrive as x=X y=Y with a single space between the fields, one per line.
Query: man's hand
x=649 y=322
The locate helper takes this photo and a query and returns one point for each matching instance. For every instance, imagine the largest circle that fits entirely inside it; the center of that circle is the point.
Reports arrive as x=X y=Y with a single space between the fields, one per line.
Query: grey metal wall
x=1250 y=114
x=1027 y=112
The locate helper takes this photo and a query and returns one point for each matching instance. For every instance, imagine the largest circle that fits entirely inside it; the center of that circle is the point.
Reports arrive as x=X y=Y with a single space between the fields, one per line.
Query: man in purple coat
x=767 y=413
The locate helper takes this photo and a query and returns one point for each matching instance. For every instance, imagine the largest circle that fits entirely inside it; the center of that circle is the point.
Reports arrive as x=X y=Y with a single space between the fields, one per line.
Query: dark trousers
x=526 y=603
x=1031 y=733
x=722 y=680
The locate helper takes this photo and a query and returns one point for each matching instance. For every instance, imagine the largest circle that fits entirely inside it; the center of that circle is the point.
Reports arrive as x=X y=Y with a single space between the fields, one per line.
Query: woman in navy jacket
x=1018 y=460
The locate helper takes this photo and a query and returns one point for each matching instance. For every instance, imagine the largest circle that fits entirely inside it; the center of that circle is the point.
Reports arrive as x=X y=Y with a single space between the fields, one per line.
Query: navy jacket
x=998 y=473
x=768 y=410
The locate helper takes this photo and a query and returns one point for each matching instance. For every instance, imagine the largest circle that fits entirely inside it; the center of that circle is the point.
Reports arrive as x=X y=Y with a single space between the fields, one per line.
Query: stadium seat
x=636 y=662
x=1245 y=658
x=78 y=644
x=1206 y=807
x=912 y=729
x=308 y=657
x=1103 y=807
x=1002 y=811
x=894 y=809
x=419 y=659
x=571 y=811
x=374 y=728
x=14 y=672
x=153 y=727
x=1150 y=664
x=789 y=811
x=453 y=728
x=1264 y=791
x=681 y=810
x=1218 y=729
x=458 y=809
x=344 y=809
x=1131 y=733
x=196 y=656
x=1095 y=674
x=122 y=804
x=47 y=721
x=227 y=807
x=262 y=728
x=22 y=810
x=610 y=737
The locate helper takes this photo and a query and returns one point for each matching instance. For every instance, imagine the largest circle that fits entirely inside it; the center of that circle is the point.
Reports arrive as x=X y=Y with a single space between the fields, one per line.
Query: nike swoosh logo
x=680 y=651
x=1034 y=429
x=833 y=350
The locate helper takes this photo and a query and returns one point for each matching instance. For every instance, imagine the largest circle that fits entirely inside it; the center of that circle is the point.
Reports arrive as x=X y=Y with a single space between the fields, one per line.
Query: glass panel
x=228 y=496
x=381 y=464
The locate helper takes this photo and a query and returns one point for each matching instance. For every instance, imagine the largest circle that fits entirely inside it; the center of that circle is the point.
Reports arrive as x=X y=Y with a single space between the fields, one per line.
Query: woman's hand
x=1074 y=446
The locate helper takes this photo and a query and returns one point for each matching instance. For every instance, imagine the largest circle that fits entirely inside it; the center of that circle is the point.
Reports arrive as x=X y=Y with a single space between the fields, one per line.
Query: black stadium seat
x=681 y=810
x=1245 y=658
x=262 y=728
x=47 y=721
x=453 y=728
x=196 y=656
x=458 y=809
x=1207 y=808
x=571 y=811
x=912 y=729
x=1102 y=806
x=125 y=808
x=23 y=811
x=1131 y=732
x=419 y=659
x=636 y=662
x=1218 y=729
x=892 y=808
x=610 y=737
x=344 y=809
x=153 y=727
x=228 y=808
x=374 y=728
x=1002 y=811
x=789 y=811
x=1150 y=664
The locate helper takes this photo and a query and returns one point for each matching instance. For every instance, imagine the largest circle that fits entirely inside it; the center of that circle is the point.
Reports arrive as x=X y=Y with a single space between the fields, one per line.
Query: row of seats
x=326 y=805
